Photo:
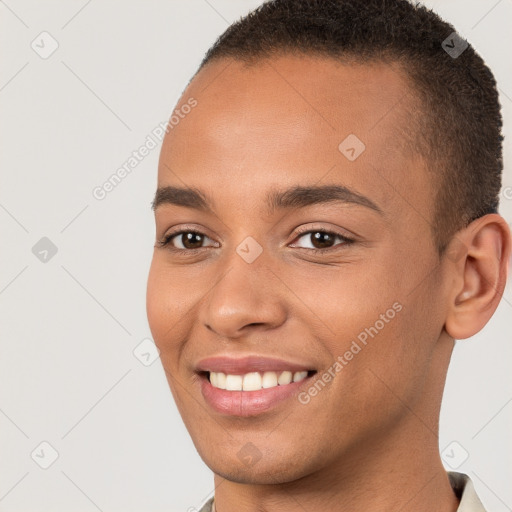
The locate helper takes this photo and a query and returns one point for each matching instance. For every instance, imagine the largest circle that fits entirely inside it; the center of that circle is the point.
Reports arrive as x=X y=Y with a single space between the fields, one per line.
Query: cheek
x=347 y=303
x=171 y=307
x=154 y=300
x=379 y=333
x=385 y=375
x=394 y=366
x=162 y=307
x=163 y=322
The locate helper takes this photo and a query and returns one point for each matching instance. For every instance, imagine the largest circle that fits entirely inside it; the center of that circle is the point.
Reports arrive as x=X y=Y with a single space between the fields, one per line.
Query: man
x=326 y=227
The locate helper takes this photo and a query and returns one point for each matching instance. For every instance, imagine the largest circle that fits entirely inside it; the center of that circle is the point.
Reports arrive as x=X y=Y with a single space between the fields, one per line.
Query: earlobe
x=480 y=274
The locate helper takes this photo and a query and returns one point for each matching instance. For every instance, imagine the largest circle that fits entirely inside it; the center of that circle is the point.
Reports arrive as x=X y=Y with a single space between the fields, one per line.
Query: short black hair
x=458 y=129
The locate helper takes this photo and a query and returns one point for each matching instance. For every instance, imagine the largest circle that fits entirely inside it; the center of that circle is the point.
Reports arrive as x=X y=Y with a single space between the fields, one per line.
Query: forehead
x=291 y=120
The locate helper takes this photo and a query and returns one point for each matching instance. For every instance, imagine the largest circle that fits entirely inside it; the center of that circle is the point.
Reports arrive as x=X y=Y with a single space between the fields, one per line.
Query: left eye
x=323 y=240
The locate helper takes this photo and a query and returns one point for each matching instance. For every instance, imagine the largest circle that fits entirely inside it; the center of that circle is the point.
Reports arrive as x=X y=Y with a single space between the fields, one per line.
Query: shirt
x=461 y=484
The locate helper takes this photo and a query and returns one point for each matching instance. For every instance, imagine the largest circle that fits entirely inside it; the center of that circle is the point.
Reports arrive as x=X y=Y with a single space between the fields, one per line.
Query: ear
x=478 y=258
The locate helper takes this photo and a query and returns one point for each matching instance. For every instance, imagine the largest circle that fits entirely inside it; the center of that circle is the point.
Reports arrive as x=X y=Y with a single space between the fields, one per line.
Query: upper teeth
x=254 y=381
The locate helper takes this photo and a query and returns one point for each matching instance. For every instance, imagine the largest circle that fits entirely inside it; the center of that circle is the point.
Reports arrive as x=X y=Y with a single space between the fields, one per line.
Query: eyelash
x=166 y=241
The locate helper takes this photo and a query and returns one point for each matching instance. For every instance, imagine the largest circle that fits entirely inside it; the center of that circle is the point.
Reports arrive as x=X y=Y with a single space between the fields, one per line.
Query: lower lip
x=247 y=403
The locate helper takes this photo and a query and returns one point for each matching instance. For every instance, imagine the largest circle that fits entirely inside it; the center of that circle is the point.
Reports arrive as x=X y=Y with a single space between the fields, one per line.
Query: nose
x=247 y=296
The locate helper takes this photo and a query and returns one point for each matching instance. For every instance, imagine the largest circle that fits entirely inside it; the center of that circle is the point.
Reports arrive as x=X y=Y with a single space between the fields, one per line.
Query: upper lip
x=247 y=364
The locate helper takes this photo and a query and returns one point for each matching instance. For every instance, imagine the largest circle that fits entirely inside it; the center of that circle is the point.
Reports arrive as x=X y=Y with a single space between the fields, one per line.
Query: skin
x=369 y=440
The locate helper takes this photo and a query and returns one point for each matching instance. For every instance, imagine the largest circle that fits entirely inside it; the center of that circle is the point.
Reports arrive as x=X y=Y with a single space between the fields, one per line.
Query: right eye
x=187 y=240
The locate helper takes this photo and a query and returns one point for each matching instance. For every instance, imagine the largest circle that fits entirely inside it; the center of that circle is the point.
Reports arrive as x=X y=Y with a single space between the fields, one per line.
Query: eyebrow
x=293 y=197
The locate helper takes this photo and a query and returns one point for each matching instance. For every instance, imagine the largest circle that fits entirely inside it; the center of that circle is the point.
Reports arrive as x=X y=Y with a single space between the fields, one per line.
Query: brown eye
x=322 y=240
x=190 y=239
x=186 y=240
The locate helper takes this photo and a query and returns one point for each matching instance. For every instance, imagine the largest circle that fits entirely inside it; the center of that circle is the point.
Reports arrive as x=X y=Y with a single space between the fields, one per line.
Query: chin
x=269 y=469
x=267 y=475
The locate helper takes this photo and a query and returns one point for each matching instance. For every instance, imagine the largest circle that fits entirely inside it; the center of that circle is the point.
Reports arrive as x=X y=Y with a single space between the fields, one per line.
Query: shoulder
x=464 y=490
x=207 y=507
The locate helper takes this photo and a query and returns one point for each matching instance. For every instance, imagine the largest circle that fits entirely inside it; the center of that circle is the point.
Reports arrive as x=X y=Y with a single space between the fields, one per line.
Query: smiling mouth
x=254 y=381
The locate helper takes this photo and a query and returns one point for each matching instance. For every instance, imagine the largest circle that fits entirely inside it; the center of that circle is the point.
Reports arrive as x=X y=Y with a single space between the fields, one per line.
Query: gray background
x=71 y=323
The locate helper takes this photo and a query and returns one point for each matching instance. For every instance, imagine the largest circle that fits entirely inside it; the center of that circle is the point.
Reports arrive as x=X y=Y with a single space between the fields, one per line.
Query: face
x=336 y=288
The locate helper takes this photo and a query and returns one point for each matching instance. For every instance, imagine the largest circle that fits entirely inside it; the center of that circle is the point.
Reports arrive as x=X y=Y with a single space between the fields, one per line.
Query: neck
x=406 y=480
x=399 y=470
